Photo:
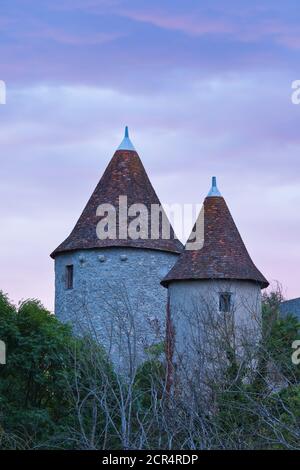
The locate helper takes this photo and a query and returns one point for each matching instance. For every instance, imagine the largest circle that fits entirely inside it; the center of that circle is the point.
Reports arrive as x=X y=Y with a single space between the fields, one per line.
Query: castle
x=128 y=289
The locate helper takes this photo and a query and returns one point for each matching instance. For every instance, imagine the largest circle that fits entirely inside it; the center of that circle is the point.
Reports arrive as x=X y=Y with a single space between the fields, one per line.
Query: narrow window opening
x=225 y=301
x=69 y=276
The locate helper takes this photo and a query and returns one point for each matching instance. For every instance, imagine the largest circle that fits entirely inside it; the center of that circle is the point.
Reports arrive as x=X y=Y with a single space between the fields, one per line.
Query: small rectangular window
x=225 y=302
x=69 y=276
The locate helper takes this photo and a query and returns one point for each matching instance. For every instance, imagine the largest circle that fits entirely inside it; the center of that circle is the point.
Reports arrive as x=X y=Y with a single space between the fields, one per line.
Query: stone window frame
x=225 y=305
x=69 y=279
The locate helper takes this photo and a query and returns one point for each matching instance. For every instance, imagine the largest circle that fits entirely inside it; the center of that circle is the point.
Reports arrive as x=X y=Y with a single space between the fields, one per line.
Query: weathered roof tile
x=124 y=176
x=223 y=254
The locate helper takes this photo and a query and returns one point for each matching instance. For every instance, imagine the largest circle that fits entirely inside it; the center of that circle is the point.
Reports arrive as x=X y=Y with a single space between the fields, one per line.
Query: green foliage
x=33 y=397
x=290 y=404
x=157 y=350
x=149 y=379
x=250 y=415
x=278 y=336
x=59 y=391
x=95 y=392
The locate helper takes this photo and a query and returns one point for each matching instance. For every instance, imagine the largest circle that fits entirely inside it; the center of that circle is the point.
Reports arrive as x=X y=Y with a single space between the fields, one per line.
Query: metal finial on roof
x=214 y=192
x=126 y=143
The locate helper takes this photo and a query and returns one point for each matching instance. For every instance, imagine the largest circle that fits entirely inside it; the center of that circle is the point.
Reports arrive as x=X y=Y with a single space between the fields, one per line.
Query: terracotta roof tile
x=223 y=254
x=126 y=176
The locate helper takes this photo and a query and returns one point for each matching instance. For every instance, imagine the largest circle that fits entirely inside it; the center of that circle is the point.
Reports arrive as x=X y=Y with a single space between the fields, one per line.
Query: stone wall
x=201 y=331
x=116 y=296
x=291 y=307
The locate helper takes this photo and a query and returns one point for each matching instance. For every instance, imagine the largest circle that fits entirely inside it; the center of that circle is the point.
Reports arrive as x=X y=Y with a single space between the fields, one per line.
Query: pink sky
x=205 y=91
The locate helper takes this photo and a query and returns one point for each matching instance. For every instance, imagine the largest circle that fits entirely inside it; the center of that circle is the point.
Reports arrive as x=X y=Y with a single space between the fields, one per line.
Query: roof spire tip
x=126 y=143
x=214 y=192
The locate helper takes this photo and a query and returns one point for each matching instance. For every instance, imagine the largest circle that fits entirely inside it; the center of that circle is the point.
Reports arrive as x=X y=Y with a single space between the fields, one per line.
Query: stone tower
x=110 y=285
x=214 y=288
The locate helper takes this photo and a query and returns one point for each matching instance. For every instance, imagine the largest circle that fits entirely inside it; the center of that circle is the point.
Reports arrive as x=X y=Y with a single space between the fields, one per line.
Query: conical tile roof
x=220 y=252
x=124 y=176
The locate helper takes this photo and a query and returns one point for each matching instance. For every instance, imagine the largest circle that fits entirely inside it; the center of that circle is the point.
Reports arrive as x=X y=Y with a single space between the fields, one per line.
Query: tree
x=279 y=332
x=34 y=404
x=62 y=391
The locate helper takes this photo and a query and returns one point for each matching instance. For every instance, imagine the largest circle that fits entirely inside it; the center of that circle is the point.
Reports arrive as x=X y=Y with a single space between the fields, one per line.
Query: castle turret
x=213 y=280
x=108 y=270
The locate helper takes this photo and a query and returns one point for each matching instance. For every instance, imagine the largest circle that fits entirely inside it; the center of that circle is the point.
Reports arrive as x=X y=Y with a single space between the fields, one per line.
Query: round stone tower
x=108 y=270
x=214 y=289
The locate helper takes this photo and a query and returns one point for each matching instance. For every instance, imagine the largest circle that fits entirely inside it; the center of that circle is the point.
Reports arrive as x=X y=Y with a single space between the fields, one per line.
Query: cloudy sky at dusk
x=205 y=88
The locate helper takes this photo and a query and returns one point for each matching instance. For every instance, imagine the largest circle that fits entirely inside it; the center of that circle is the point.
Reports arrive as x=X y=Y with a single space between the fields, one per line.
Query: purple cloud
x=204 y=90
